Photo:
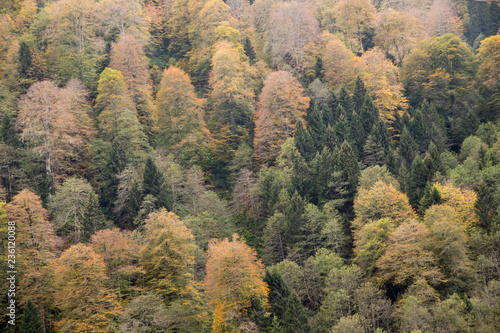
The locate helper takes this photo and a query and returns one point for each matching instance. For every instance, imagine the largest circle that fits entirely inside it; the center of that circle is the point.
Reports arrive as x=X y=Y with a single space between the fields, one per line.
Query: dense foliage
x=251 y=165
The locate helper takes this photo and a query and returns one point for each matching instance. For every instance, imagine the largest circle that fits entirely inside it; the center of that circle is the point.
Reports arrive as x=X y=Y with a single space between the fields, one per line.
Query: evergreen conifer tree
x=419 y=176
x=30 y=322
x=331 y=138
x=116 y=162
x=368 y=113
x=154 y=184
x=317 y=128
x=295 y=319
x=8 y=131
x=249 y=51
x=278 y=293
x=431 y=197
x=304 y=142
x=93 y=218
x=346 y=179
x=408 y=148
x=24 y=57
x=359 y=94
x=346 y=102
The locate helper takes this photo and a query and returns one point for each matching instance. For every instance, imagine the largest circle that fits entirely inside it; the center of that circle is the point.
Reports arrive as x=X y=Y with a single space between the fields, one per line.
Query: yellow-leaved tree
x=82 y=291
x=168 y=257
x=233 y=282
x=179 y=118
x=382 y=201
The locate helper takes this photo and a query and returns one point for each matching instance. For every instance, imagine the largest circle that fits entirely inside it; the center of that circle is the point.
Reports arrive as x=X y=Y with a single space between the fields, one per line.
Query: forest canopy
x=250 y=165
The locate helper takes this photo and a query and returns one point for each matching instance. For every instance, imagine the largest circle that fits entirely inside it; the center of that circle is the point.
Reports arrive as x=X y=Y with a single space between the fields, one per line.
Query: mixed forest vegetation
x=251 y=166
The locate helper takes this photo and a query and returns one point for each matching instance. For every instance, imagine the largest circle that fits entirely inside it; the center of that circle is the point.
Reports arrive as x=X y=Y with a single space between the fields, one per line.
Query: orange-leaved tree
x=120 y=253
x=406 y=258
x=233 y=282
x=230 y=92
x=381 y=79
x=463 y=201
x=282 y=104
x=339 y=63
x=37 y=244
x=129 y=57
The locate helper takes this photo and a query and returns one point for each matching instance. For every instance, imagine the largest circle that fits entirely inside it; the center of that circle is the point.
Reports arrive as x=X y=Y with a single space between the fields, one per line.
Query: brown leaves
x=281 y=105
x=406 y=260
x=54 y=121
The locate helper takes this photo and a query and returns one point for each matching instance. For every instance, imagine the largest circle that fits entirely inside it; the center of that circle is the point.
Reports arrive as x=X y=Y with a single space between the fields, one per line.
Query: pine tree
x=316 y=127
x=93 y=218
x=322 y=169
x=349 y=169
x=30 y=322
x=345 y=100
x=419 y=176
x=358 y=133
x=8 y=131
x=304 y=142
x=368 y=113
x=328 y=113
x=249 y=51
x=318 y=67
x=360 y=94
x=373 y=152
x=331 y=138
x=24 y=57
x=295 y=319
x=294 y=220
x=273 y=237
x=278 y=293
x=431 y=197
x=408 y=148
x=116 y=163
x=432 y=160
x=343 y=128
x=154 y=184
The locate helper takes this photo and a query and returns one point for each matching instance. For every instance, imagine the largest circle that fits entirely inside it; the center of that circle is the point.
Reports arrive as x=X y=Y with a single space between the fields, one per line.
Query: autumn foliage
x=233 y=282
x=382 y=201
x=354 y=145
x=281 y=105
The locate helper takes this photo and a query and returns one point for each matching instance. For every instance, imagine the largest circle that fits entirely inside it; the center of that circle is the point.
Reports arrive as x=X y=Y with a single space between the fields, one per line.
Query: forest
x=272 y=166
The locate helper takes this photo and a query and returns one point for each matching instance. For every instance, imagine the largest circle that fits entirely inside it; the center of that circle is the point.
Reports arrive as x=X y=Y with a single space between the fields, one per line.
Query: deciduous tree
x=397 y=33
x=338 y=63
x=292 y=28
x=55 y=123
x=81 y=291
x=488 y=74
x=406 y=260
x=382 y=201
x=428 y=73
x=230 y=93
x=381 y=79
x=179 y=121
x=128 y=57
x=281 y=105
x=68 y=207
x=233 y=281
x=37 y=249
